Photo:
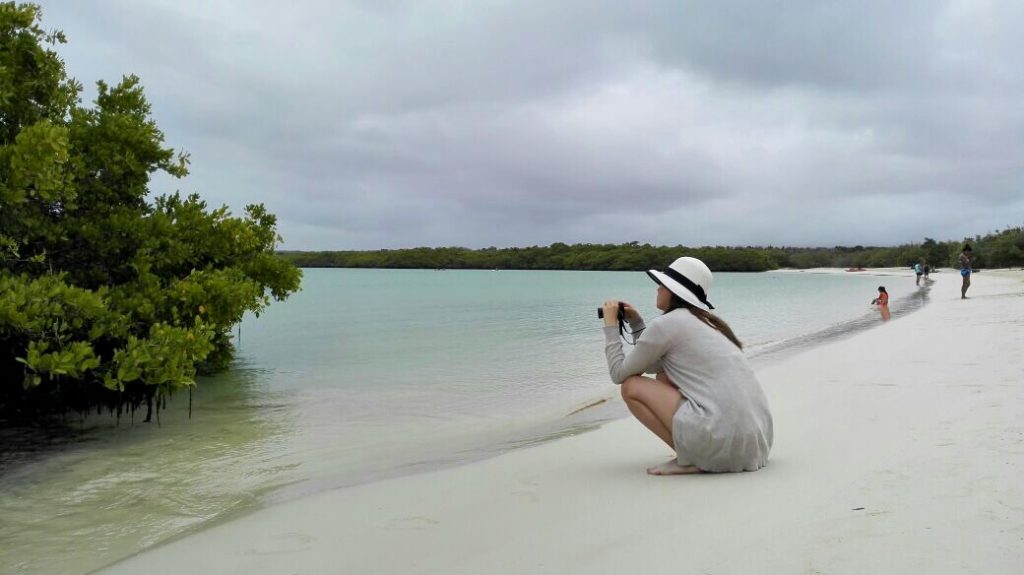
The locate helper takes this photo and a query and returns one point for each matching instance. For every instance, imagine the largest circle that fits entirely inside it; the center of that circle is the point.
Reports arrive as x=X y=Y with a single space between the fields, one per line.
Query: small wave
x=777 y=351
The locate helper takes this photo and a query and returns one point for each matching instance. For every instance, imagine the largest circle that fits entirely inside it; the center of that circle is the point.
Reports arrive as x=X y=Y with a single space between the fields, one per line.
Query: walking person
x=965 y=269
x=704 y=401
x=919 y=271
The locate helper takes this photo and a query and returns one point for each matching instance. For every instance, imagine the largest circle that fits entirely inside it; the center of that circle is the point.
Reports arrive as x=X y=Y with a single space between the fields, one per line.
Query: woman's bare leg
x=654 y=402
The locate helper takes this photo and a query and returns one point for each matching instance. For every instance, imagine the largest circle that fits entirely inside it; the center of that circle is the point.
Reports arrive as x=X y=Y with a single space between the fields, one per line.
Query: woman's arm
x=643 y=358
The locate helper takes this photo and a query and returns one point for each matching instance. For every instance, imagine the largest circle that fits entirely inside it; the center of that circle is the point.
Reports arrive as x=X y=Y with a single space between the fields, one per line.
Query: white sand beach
x=897 y=450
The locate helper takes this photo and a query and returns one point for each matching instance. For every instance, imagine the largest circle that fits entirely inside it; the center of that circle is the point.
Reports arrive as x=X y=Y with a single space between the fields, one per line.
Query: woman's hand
x=611 y=312
x=630 y=311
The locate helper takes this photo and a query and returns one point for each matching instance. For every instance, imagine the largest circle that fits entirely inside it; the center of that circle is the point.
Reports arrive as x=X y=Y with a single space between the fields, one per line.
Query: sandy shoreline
x=898 y=450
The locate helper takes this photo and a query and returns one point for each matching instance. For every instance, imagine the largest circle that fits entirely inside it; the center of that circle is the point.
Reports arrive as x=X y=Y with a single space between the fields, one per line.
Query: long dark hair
x=707 y=317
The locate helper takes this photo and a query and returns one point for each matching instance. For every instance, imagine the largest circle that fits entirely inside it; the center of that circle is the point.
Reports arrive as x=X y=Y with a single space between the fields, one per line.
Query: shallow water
x=368 y=374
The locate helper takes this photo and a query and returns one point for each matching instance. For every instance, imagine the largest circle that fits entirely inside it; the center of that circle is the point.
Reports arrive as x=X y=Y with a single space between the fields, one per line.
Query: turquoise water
x=366 y=374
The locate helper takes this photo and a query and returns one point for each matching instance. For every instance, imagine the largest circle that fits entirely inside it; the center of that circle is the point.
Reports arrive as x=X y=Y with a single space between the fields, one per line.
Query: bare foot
x=672 y=468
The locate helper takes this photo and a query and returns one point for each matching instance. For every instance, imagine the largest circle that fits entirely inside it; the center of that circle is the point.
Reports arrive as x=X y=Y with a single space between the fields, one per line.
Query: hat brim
x=677 y=288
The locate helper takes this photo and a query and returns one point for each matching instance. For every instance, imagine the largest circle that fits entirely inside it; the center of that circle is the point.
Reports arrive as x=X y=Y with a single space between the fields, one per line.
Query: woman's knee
x=633 y=386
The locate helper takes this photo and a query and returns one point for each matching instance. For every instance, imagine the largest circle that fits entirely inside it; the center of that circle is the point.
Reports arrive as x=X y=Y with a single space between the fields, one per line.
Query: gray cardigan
x=724 y=423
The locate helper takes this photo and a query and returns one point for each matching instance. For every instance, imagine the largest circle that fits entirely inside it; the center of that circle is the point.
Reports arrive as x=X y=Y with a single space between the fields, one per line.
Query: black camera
x=621 y=315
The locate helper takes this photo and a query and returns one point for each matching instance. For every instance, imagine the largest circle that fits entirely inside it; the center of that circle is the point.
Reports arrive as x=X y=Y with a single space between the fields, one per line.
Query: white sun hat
x=689 y=279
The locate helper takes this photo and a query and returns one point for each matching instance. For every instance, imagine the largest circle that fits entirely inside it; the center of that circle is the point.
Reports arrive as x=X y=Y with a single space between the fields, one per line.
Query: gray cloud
x=390 y=124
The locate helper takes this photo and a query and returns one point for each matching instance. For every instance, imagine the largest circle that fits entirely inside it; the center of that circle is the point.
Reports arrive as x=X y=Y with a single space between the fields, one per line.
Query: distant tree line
x=1001 y=249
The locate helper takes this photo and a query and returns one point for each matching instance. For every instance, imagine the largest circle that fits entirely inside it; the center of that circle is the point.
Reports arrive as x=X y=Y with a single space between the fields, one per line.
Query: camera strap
x=623 y=332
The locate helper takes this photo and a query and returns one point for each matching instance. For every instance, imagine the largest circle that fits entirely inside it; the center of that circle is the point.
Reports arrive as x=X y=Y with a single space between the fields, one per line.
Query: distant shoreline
x=994 y=250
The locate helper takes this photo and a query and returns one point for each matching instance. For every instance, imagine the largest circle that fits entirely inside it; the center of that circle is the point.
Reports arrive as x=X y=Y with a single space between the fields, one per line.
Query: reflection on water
x=99 y=492
x=73 y=506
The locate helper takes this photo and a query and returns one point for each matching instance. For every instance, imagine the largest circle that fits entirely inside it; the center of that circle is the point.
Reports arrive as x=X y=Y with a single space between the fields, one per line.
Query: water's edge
x=591 y=415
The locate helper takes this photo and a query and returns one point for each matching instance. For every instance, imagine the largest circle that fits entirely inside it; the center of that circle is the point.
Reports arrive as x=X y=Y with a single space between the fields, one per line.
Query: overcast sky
x=391 y=123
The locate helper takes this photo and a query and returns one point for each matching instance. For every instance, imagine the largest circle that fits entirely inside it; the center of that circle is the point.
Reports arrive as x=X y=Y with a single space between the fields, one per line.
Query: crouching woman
x=704 y=401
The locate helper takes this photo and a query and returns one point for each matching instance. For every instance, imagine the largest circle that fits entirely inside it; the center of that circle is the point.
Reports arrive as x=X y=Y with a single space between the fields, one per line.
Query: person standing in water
x=704 y=401
x=882 y=301
x=965 y=270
